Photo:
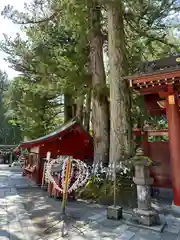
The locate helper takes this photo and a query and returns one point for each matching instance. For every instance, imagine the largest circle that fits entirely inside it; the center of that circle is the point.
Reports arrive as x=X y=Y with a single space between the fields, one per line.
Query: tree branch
x=149 y=36
x=158 y=39
x=38 y=21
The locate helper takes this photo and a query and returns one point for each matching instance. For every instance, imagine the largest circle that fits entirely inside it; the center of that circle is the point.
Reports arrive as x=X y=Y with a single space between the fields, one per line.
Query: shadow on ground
x=4 y=234
x=45 y=211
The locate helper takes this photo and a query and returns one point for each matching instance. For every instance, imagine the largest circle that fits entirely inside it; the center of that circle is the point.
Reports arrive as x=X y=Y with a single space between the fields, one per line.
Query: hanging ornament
x=79 y=173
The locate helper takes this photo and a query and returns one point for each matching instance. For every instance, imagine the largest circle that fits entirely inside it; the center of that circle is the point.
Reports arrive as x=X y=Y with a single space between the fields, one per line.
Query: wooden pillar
x=174 y=143
x=10 y=158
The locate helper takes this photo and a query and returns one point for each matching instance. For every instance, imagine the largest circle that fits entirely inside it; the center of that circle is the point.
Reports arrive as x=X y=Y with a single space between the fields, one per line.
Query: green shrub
x=100 y=189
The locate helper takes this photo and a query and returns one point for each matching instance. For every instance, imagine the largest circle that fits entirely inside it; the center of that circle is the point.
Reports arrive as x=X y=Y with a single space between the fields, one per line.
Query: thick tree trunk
x=87 y=111
x=80 y=108
x=120 y=104
x=99 y=98
x=68 y=111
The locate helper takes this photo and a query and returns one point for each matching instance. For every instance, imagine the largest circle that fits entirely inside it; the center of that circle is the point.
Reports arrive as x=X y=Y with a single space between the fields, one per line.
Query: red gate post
x=174 y=143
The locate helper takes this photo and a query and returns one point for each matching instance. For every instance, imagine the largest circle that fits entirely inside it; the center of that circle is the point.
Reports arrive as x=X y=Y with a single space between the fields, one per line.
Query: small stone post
x=144 y=214
x=114 y=212
x=10 y=158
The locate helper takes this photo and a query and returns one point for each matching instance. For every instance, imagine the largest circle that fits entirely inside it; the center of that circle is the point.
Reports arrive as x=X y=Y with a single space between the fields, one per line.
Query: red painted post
x=174 y=143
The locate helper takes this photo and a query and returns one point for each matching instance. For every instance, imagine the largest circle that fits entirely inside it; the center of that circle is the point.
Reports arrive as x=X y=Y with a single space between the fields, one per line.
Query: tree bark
x=68 y=111
x=99 y=97
x=87 y=111
x=120 y=100
x=80 y=108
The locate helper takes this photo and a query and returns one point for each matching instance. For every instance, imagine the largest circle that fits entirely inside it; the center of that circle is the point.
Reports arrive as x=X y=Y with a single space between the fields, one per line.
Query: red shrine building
x=68 y=140
x=161 y=90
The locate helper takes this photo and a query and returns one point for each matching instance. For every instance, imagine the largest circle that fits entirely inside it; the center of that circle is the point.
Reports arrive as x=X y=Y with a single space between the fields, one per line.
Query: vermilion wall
x=159 y=152
x=72 y=144
x=73 y=141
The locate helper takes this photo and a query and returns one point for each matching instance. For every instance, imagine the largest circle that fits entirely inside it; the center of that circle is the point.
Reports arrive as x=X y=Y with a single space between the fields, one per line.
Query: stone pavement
x=15 y=223
x=27 y=213
x=91 y=220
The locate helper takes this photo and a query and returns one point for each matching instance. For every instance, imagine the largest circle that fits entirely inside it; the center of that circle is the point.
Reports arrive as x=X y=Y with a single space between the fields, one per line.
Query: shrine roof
x=59 y=132
x=153 y=82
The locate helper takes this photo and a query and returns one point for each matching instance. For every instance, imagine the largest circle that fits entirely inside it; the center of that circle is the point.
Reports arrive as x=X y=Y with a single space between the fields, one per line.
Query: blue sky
x=7 y=27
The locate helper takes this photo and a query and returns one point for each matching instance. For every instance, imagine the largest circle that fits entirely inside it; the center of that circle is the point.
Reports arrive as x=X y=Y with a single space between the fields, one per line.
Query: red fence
x=159 y=152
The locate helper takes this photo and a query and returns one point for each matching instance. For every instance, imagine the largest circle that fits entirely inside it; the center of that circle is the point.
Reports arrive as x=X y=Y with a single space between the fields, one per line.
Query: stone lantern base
x=146 y=217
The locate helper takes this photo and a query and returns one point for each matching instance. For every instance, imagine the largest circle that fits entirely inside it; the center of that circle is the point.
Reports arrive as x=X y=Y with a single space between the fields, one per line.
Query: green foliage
x=100 y=189
x=54 y=58
x=149 y=27
x=8 y=134
x=52 y=63
x=31 y=107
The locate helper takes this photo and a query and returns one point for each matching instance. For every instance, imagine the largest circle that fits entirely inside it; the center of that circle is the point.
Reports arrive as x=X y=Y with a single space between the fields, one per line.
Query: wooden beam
x=8 y=146
x=157 y=133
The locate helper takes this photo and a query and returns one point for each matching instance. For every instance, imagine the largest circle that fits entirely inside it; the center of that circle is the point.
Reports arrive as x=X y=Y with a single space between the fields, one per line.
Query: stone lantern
x=143 y=214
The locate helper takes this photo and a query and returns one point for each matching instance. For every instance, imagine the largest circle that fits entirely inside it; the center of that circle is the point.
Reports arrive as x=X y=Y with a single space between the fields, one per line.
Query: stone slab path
x=15 y=223
x=27 y=213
